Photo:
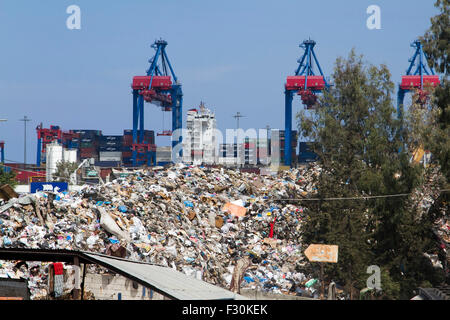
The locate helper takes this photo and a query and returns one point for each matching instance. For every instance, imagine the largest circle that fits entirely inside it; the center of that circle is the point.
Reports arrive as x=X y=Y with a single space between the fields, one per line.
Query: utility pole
x=25 y=120
x=268 y=130
x=2 y=147
x=237 y=116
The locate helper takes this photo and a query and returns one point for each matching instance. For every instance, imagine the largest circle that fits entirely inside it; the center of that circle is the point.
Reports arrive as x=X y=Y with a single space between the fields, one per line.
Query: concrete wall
x=108 y=287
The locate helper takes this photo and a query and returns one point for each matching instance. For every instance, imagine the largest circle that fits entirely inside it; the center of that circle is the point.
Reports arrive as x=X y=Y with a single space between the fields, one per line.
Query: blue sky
x=233 y=55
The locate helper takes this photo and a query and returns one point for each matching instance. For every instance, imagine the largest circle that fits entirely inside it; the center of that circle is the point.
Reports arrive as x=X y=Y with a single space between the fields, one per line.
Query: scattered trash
x=201 y=221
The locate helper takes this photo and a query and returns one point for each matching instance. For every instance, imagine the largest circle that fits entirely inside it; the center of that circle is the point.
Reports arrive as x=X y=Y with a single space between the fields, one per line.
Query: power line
x=350 y=198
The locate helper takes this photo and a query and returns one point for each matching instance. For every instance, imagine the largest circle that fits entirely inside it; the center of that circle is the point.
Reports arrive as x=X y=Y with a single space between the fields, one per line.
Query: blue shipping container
x=107 y=164
x=110 y=138
x=110 y=144
x=109 y=148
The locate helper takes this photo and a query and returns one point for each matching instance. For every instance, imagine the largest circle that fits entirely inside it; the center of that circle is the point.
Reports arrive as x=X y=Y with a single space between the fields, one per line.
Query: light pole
x=2 y=147
x=25 y=120
x=237 y=116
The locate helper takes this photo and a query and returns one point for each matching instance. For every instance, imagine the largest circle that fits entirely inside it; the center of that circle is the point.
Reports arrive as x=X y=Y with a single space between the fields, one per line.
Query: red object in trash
x=58 y=267
x=271 y=228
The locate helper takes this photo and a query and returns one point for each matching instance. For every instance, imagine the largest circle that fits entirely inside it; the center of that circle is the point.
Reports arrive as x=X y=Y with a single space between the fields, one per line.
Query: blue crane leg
x=135 y=122
x=180 y=122
x=38 y=153
x=287 y=127
x=400 y=100
x=141 y=118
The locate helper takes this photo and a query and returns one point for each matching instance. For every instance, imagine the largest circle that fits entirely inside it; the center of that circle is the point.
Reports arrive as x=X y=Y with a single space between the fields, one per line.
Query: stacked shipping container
x=110 y=148
x=127 y=150
x=88 y=143
x=278 y=144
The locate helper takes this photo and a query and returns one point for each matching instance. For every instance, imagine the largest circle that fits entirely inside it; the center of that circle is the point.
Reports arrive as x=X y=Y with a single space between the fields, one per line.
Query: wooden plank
x=322 y=253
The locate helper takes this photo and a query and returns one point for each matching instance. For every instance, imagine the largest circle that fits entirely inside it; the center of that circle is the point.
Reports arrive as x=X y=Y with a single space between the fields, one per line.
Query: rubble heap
x=197 y=220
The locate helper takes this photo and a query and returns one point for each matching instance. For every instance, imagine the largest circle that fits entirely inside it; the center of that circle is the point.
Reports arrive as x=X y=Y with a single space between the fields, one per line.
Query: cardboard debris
x=7 y=192
x=234 y=209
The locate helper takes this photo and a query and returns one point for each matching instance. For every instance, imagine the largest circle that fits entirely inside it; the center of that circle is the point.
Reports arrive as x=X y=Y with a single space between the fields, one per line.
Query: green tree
x=63 y=170
x=7 y=177
x=437 y=46
x=358 y=145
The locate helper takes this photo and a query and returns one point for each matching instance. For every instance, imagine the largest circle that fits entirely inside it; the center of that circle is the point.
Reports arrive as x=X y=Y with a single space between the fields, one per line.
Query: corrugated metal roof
x=169 y=281
x=164 y=280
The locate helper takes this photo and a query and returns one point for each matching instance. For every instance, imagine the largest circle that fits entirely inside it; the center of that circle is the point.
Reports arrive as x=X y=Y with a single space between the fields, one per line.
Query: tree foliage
x=63 y=170
x=7 y=177
x=360 y=151
x=437 y=46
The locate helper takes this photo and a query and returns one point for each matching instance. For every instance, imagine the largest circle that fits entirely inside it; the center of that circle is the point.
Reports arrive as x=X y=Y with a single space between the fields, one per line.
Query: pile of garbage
x=201 y=221
x=424 y=196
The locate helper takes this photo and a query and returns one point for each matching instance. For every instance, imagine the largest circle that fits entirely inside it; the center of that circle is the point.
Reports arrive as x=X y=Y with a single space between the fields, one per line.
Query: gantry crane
x=306 y=84
x=418 y=80
x=157 y=88
x=46 y=136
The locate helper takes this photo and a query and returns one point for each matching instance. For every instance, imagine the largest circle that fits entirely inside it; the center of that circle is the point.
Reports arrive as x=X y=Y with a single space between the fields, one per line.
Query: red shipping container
x=298 y=82
x=26 y=176
x=409 y=82
x=158 y=82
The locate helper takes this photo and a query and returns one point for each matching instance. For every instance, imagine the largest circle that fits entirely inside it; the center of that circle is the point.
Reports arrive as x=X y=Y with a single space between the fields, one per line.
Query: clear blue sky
x=234 y=55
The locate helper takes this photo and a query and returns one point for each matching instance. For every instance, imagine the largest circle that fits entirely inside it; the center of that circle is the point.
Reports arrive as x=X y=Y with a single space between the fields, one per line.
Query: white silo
x=70 y=155
x=54 y=155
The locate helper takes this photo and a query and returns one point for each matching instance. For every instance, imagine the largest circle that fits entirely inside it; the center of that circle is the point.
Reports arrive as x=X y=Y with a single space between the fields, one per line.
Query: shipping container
x=107 y=164
x=110 y=138
x=110 y=148
x=110 y=144
x=298 y=82
x=89 y=149
x=25 y=175
x=127 y=159
x=87 y=133
x=110 y=156
x=127 y=140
